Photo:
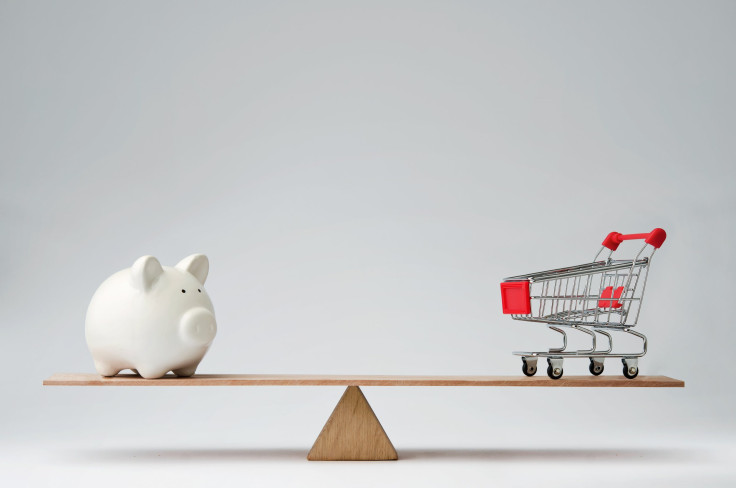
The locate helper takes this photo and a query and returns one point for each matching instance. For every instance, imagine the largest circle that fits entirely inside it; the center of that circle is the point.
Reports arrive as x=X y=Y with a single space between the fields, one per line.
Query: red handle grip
x=654 y=238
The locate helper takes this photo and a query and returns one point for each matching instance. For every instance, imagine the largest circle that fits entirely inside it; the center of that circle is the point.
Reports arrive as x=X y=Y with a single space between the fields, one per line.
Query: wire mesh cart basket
x=599 y=299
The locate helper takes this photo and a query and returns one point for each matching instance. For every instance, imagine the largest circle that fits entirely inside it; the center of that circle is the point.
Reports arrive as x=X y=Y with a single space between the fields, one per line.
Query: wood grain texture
x=352 y=433
x=88 y=379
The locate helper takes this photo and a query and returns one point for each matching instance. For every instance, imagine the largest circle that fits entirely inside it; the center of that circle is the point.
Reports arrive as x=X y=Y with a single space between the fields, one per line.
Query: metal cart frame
x=599 y=298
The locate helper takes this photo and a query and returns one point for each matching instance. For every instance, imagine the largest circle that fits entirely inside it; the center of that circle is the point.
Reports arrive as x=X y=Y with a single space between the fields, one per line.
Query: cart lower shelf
x=353 y=432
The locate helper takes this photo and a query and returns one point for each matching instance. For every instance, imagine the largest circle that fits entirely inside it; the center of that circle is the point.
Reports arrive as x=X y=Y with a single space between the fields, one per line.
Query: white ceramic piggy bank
x=152 y=319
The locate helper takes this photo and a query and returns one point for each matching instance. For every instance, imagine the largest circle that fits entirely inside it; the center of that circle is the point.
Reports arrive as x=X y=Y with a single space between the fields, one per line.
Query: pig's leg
x=105 y=369
x=186 y=371
x=152 y=372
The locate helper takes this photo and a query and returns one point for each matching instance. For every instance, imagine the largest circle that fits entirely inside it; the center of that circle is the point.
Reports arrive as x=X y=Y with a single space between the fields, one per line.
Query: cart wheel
x=595 y=368
x=630 y=372
x=528 y=369
x=554 y=373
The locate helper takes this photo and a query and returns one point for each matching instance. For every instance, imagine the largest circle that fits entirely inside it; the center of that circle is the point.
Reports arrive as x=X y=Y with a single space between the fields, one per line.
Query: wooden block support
x=352 y=433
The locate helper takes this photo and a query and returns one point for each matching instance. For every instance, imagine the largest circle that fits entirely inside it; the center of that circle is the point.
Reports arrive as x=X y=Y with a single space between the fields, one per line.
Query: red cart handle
x=654 y=238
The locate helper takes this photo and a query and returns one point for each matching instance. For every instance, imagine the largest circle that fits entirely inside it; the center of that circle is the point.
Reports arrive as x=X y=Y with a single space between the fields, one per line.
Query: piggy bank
x=152 y=319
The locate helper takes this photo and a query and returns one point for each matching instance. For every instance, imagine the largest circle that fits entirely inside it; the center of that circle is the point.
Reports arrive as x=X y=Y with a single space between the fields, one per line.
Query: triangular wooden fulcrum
x=352 y=433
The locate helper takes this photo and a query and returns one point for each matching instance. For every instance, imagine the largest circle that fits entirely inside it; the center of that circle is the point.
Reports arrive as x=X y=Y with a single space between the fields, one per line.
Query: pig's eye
x=183 y=291
x=199 y=290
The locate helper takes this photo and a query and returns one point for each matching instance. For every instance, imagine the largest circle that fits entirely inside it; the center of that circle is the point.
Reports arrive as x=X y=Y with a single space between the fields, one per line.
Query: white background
x=362 y=176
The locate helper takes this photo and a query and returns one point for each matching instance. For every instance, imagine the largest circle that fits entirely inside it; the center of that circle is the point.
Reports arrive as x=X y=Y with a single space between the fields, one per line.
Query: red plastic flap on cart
x=515 y=298
x=609 y=293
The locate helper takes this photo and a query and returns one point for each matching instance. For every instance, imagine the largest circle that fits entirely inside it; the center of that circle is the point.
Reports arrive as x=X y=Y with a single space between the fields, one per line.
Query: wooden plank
x=352 y=433
x=87 y=379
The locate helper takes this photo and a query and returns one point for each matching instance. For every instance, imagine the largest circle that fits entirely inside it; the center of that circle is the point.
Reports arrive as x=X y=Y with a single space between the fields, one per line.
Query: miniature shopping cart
x=597 y=298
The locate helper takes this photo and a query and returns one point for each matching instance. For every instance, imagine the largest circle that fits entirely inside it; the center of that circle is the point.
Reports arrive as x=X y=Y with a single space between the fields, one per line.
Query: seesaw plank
x=87 y=379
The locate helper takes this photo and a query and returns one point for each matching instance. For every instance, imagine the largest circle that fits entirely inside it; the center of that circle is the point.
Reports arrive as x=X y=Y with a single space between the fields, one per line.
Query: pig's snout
x=198 y=326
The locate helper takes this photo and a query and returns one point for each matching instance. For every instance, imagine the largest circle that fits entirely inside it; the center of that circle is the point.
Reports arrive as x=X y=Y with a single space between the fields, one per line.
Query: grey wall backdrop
x=362 y=175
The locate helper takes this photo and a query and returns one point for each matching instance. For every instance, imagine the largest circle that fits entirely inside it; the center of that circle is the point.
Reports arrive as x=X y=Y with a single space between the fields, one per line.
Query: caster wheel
x=554 y=373
x=631 y=372
x=595 y=368
x=528 y=369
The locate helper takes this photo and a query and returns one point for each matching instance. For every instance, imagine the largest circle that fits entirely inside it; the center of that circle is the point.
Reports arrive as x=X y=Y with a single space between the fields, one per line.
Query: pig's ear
x=196 y=264
x=145 y=272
